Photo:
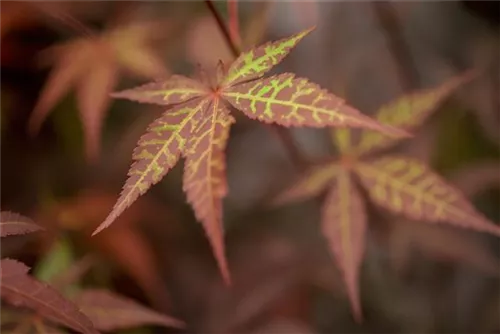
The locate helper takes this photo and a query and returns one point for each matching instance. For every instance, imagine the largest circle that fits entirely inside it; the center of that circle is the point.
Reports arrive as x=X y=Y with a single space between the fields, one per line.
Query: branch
x=222 y=27
x=283 y=134
x=405 y=66
x=234 y=23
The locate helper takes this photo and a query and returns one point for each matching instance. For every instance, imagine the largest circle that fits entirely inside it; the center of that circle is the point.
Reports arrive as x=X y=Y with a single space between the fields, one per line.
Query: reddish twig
x=222 y=27
x=405 y=65
x=234 y=22
x=283 y=134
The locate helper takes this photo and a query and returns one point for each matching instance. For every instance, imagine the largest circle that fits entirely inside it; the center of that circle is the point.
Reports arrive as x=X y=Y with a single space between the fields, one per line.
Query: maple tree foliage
x=19 y=289
x=91 y=66
x=400 y=184
x=92 y=310
x=196 y=127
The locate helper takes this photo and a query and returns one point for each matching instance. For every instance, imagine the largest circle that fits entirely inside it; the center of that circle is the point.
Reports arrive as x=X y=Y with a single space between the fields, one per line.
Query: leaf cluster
x=197 y=122
x=91 y=311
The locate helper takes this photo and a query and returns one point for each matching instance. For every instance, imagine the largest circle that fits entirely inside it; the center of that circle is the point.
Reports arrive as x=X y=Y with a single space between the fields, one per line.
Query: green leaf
x=258 y=61
x=342 y=139
x=58 y=259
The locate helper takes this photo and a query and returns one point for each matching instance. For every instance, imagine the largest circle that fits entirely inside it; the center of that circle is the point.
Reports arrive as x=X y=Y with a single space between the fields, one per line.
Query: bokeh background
x=416 y=278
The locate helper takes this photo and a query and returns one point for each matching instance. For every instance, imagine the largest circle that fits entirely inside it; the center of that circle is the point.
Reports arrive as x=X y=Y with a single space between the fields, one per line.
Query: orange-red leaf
x=205 y=179
x=344 y=225
x=22 y=290
x=93 y=99
x=290 y=101
x=408 y=112
x=111 y=312
x=73 y=61
x=407 y=186
x=309 y=185
x=157 y=152
x=90 y=65
x=175 y=90
x=13 y=223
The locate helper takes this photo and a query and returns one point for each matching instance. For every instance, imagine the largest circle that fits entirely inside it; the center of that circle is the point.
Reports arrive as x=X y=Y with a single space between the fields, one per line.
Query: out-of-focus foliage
x=414 y=277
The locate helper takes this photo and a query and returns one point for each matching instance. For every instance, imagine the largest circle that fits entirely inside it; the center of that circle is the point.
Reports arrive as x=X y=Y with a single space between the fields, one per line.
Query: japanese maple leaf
x=400 y=184
x=196 y=127
x=91 y=65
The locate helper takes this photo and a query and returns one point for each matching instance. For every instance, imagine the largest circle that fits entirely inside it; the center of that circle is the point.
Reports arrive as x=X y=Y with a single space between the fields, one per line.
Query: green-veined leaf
x=407 y=186
x=13 y=223
x=256 y=62
x=175 y=90
x=204 y=176
x=157 y=152
x=408 y=112
x=311 y=184
x=344 y=225
x=290 y=101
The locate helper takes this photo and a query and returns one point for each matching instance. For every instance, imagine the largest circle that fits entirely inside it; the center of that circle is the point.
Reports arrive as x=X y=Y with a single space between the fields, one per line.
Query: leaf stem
x=224 y=30
x=234 y=23
x=391 y=25
x=286 y=138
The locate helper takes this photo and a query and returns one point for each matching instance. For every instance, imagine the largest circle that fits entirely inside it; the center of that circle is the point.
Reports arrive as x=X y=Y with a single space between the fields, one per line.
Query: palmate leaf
x=19 y=289
x=408 y=112
x=407 y=186
x=157 y=152
x=91 y=66
x=205 y=179
x=111 y=312
x=344 y=225
x=198 y=126
x=290 y=101
x=13 y=224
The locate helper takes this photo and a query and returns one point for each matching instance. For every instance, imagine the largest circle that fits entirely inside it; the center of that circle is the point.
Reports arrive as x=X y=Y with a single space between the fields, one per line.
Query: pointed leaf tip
x=111 y=312
x=409 y=112
x=157 y=152
x=407 y=186
x=258 y=61
x=20 y=289
x=175 y=90
x=312 y=183
x=343 y=224
x=293 y=101
x=205 y=177
x=13 y=224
